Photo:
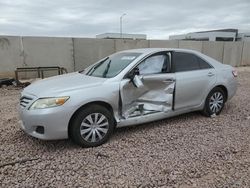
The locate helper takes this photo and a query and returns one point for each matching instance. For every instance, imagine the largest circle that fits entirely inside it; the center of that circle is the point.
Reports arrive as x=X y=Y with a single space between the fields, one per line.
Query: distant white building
x=214 y=35
x=123 y=36
x=244 y=36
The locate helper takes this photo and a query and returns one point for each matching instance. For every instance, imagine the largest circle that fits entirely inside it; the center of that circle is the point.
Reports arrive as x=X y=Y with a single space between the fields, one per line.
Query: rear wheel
x=214 y=102
x=92 y=126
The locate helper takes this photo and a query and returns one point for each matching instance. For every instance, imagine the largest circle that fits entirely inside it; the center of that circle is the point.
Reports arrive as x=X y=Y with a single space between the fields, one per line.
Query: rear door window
x=185 y=62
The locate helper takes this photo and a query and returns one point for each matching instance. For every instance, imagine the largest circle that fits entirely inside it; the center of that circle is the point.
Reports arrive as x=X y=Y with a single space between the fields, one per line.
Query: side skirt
x=153 y=117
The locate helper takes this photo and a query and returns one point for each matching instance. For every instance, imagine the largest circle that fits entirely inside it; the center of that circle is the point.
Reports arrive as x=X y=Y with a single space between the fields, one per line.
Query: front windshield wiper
x=95 y=67
x=106 y=70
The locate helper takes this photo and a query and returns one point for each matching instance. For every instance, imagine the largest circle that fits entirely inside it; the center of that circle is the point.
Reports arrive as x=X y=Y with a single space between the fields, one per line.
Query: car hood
x=59 y=84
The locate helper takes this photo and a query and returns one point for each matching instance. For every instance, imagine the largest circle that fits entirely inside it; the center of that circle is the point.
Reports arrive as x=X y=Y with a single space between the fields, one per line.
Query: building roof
x=123 y=36
x=219 y=30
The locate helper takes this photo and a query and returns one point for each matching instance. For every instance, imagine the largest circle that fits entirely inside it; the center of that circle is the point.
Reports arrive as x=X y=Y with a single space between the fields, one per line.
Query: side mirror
x=137 y=81
x=133 y=72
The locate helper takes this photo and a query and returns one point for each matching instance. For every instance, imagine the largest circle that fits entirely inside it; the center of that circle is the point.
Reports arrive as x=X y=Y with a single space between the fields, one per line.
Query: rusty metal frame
x=40 y=71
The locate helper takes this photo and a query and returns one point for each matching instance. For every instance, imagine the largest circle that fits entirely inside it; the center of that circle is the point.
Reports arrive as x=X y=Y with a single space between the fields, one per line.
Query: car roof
x=152 y=50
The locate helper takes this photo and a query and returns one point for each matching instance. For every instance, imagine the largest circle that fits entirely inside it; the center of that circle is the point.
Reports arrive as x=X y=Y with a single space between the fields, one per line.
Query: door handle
x=210 y=74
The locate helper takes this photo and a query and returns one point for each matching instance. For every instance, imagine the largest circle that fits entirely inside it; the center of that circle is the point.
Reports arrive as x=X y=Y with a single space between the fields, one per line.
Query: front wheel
x=92 y=126
x=214 y=102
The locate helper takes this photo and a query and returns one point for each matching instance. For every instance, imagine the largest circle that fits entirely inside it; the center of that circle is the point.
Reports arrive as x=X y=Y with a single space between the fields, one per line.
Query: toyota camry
x=126 y=88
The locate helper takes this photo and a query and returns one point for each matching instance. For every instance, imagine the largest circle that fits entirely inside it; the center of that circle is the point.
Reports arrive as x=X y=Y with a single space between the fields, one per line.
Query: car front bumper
x=54 y=122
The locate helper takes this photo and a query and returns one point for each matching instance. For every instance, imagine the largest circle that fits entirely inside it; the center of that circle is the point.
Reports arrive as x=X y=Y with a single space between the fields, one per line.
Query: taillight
x=235 y=73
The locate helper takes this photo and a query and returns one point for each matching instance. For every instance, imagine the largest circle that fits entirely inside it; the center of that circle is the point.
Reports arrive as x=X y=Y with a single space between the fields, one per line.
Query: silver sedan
x=126 y=88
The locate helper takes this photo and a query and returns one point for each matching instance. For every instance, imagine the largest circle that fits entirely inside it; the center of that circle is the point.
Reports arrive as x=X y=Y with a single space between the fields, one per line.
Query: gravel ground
x=185 y=151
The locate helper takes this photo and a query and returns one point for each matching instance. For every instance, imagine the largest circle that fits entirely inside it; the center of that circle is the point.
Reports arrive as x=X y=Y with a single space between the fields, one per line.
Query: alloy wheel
x=216 y=102
x=94 y=127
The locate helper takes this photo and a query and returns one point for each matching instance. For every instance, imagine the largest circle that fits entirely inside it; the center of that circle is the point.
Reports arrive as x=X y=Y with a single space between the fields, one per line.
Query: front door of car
x=150 y=91
x=194 y=79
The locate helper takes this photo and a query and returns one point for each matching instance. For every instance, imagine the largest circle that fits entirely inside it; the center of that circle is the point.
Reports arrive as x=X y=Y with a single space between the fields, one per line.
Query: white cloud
x=156 y=18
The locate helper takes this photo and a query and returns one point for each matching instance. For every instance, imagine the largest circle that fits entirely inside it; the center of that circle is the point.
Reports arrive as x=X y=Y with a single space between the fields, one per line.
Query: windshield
x=111 y=66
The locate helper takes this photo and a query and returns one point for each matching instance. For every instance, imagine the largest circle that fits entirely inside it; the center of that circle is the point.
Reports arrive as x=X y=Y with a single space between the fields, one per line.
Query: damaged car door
x=148 y=87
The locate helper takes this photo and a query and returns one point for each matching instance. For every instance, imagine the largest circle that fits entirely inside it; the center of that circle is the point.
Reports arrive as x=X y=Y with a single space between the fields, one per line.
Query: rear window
x=204 y=64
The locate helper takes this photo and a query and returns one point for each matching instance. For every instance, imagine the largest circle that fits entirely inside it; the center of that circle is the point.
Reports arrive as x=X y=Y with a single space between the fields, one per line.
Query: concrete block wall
x=10 y=55
x=77 y=53
x=213 y=49
x=192 y=45
x=232 y=53
x=163 y=44
x=130 y=44
x=48 y=51
x=87 y=51
x=34 y=52
x=245 y=61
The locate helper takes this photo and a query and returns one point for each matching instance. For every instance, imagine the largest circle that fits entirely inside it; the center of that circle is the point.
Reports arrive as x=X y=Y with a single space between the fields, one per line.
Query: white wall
x=78 y=53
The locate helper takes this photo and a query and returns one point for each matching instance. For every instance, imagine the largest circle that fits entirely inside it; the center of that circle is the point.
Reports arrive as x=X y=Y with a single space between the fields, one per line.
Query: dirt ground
x=185 y=151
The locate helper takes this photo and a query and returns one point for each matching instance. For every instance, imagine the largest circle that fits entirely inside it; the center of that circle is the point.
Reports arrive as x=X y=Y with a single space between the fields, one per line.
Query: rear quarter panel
x=226 y=78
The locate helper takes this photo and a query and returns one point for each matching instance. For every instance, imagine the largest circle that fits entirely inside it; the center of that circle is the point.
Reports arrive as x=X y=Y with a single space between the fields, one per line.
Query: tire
x=214 y=102
x=92 y=126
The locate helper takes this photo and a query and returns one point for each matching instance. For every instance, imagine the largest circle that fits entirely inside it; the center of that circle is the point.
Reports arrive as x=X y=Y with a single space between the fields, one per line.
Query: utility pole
x=121 y=24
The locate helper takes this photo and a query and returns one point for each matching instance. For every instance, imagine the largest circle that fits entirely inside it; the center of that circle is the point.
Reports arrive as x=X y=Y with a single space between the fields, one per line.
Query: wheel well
x=101 y=103
x=224 y=90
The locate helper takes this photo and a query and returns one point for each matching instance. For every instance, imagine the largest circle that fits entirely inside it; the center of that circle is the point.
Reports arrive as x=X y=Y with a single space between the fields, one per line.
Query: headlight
x=48 y=102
